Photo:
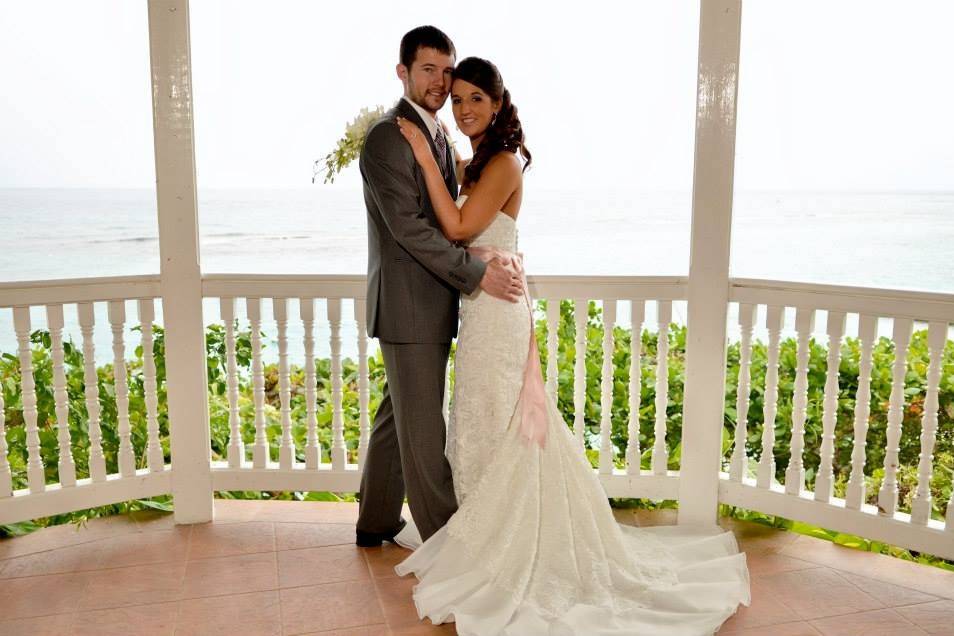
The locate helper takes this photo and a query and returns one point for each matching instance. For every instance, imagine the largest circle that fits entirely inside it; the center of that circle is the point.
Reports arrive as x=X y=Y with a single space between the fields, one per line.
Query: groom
x=415 y=276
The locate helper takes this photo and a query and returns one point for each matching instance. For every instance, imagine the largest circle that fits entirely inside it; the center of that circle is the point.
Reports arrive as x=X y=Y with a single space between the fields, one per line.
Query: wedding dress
x=534 y=547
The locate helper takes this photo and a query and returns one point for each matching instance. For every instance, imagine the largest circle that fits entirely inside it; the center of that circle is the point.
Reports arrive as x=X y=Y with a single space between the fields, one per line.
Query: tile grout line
x=278 y=582
x=841 y=574
x=374 y=585
x=185 y=570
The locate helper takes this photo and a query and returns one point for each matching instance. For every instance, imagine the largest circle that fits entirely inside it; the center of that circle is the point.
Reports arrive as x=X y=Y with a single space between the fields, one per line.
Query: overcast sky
x=834 y=95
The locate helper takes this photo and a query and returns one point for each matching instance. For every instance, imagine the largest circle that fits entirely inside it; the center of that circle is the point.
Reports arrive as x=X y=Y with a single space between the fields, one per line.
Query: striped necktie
x=441 y=144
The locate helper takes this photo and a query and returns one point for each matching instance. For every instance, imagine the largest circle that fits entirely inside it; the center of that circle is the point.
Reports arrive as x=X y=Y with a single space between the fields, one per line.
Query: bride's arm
x=498 y=181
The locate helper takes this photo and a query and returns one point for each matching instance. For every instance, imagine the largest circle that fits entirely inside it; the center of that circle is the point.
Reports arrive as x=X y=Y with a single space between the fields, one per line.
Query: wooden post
x=171 y=70
x=719 y=26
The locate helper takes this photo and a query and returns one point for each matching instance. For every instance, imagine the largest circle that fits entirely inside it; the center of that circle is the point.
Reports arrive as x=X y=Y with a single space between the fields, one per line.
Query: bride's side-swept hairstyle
x=505 y=132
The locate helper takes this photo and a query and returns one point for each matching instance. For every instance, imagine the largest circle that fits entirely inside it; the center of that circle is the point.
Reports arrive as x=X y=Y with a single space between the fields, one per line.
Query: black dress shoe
x=374 y=539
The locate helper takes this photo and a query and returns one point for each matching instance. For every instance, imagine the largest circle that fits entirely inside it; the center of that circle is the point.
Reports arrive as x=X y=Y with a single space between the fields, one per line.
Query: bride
x=534 y=547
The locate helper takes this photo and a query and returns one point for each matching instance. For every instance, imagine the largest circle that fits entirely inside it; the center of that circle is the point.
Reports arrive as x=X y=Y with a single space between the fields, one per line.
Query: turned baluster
x=888 y=494
x=260 y=454
x=581 y=317
x=825 y=481
x=855 y=490
x=774 y=319
x=739 y=458
x=338 y=451
x=67 y=467
x=97 y=462
x=795 y=473
x=117 y=322
x=286 y=450
x=36 y=478
x=921 y=504
x=633 y=451
x=660 y=460
x=236 y=447
x=155 y=456
x=606 y=388
x=312 y=445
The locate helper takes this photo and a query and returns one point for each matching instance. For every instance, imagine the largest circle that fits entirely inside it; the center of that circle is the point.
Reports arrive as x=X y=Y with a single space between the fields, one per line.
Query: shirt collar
x=429 y=120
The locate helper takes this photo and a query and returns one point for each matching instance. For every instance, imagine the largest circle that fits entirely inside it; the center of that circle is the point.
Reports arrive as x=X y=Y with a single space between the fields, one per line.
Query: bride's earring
x=493 y=120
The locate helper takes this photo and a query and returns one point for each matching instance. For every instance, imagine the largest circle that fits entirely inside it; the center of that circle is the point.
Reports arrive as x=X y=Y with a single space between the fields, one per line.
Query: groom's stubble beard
x=427 y=82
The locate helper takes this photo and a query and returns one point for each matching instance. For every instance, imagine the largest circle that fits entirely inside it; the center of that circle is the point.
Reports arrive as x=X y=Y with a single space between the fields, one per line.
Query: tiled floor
x=288 y=568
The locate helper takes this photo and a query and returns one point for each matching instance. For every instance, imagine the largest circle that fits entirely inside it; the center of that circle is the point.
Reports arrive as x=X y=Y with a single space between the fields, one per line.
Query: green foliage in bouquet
x=348 y=148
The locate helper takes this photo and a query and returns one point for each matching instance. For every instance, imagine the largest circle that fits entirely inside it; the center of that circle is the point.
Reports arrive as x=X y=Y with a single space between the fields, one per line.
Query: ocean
x=898 y=240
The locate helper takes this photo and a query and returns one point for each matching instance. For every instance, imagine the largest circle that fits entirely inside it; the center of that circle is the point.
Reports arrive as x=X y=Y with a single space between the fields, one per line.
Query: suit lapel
x=405 y=110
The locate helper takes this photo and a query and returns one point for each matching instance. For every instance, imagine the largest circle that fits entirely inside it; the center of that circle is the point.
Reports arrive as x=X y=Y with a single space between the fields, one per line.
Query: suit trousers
x=406 y=449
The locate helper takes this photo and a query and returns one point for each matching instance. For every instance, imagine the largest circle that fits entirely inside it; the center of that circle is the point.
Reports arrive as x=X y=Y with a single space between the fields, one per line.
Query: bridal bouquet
x=348 y=147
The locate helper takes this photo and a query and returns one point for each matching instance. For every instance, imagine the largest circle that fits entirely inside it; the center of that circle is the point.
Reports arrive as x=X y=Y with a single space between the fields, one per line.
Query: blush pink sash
x=533 y=396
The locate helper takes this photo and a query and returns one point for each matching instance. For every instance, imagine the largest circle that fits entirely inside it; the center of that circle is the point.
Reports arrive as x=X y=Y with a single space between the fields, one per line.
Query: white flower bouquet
x=348 y=147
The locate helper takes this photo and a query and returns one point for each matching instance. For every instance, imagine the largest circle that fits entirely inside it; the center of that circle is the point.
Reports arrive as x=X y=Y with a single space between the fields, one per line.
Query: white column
x=187 y=393
x=703 y=409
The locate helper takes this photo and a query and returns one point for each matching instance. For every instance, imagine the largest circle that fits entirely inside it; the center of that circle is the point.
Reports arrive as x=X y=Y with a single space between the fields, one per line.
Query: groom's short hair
x=424 y=37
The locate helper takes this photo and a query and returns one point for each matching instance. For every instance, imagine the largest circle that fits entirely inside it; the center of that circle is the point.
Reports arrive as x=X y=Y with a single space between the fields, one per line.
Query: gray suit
x=415 y=276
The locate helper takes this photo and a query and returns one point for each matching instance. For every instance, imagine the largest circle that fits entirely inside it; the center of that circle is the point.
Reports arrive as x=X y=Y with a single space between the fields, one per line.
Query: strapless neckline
x=463 y=197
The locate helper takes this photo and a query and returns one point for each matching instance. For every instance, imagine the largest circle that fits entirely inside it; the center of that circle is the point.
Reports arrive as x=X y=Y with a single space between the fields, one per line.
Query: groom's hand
x=503 y=278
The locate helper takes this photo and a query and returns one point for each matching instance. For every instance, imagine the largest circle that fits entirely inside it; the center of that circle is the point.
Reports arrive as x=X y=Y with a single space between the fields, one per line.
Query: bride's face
x=473 y=108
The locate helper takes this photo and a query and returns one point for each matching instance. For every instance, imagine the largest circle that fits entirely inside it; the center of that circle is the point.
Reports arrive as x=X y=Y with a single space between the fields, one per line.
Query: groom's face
x=427 y=83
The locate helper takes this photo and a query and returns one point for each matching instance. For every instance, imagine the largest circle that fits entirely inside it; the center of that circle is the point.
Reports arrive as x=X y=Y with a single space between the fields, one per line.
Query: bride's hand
x=415 y=136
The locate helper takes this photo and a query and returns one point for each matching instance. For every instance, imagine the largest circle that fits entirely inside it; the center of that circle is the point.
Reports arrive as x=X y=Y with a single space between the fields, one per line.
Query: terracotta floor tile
x=30 y=596
x=765 y=610
x=934 y=618
x=135 y=585
x=367 y=630
x=827 y=553
x=55 y=625
x=661 y=517
x=230 y=575
x=382 y=560
x=156 y=619
x=74 y=558
x=291 y=536
x=257 y=614
x=332 y=606
x=818 y=593
x=288 y=511
x=211 y=540
x=773 y=563
x=923 y=578
x=142 y=548
x=884 y=622
x=396 y=599
x=888 y=594
x=425 y=629
x=755 y=538
x=798 y=628
x=314 y=566
x=234 y=510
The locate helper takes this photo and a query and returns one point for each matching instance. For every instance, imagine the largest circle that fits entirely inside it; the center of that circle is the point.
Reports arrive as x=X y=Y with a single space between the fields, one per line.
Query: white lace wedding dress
x=534 y=547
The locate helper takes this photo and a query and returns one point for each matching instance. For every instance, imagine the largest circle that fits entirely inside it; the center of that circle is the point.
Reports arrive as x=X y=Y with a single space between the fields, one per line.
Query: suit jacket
x=415 y=275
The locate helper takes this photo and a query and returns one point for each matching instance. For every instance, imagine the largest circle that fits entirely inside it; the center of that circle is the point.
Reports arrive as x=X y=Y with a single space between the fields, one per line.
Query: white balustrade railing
x=131 y=477
x=320 y=427
x=858 y=311
x=336 y=466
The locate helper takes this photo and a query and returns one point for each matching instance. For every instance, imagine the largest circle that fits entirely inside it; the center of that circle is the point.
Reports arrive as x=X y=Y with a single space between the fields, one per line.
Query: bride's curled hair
x=505 y=132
